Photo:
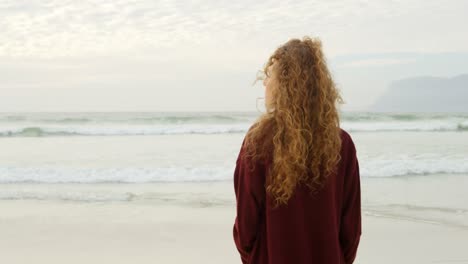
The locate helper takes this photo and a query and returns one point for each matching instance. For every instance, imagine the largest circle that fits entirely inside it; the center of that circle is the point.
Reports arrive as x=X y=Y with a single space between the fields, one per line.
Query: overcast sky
x=203 y=55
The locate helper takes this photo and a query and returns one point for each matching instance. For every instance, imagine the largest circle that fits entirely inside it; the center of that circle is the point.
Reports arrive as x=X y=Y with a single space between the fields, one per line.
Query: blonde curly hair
x=300 y=131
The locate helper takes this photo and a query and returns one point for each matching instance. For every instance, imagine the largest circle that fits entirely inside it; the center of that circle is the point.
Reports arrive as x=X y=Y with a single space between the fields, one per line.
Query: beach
x=121 y=125
x=192 y=227
x=158 y=188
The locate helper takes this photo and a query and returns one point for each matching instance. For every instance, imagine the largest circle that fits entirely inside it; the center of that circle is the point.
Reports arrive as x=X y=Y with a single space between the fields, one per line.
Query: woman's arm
x=249 y=192
x=350 y=230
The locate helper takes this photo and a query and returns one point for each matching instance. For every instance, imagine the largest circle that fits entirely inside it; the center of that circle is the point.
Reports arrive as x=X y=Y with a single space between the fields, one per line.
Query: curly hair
x=300 y=131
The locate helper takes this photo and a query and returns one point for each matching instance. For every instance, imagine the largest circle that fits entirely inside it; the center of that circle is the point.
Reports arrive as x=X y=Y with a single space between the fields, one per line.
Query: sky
x=204 y=55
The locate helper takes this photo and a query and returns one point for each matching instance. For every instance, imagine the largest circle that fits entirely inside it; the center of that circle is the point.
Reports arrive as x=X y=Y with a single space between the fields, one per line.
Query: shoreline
x=174 y=228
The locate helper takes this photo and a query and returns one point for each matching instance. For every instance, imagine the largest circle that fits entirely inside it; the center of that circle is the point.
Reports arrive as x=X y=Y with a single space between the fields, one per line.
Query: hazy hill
x=425 y=94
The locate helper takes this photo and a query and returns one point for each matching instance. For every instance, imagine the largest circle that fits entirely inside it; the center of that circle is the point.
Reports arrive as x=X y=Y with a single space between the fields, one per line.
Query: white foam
x=391 y=167
x=112 y=175
x=415 y=125
x=113 y=130
x=380 y=167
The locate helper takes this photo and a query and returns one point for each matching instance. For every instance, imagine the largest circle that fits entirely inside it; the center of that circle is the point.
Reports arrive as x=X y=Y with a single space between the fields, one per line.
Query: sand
x=187 y=230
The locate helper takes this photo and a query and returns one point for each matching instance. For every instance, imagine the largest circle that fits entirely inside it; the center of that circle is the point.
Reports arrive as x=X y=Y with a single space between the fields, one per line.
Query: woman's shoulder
x=345 y=135
x=347 y=141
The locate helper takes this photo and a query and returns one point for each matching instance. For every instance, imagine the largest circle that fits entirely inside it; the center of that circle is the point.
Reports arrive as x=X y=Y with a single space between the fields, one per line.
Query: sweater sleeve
x=249 y=201
x=350 y=229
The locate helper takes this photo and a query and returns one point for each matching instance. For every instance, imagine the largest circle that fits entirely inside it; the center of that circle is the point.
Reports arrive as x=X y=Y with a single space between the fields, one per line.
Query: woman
x=296 y=179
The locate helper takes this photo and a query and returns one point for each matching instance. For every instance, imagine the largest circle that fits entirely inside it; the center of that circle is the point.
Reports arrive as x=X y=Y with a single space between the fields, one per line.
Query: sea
x=413 y=166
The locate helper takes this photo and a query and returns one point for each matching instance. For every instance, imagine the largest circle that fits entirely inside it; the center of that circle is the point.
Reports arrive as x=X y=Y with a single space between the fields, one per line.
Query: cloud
x=202 y=54
x=51 y=28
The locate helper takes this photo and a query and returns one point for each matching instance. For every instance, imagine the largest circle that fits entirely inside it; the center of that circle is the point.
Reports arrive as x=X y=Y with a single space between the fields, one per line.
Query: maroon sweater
x=324 y=228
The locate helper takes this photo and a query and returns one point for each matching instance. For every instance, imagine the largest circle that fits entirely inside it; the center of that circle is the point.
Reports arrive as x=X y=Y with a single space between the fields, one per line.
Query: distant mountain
x=425 y=94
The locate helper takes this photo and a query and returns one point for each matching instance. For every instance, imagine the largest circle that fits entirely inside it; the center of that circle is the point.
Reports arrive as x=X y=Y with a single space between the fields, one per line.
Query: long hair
x=300 y=131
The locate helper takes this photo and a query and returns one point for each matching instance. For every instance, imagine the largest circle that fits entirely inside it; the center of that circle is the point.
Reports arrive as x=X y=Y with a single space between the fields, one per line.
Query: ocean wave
x=128 y=118
x=376 y=116
x=66 y=196
x=113 y=175
x=368 y=169
x=420 y=126
x=73 y=193
x=124 y=130
x=191 y=119
x=44 y=131
x=115 y=123
x=412 y=166
x=67 y=120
